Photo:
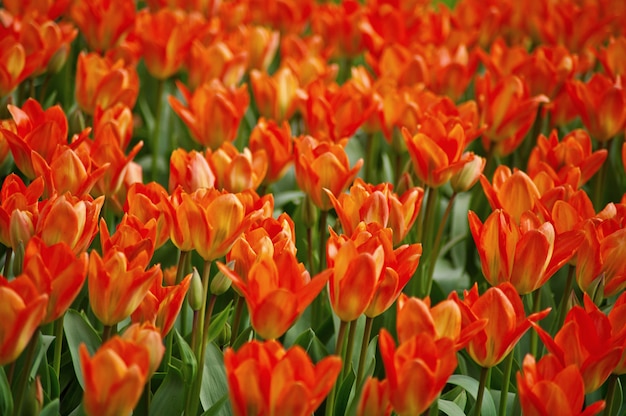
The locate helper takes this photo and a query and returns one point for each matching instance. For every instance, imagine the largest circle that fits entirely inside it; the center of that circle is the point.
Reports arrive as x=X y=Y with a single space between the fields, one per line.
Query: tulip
x=150 y=338
x=547 y=387
x=116 y=289
x=375 y=399
x=103 y=23
x=36 y=9
x=131 y=237
x=114 y=377
x=610 y=57
x=617 y=319
x=470 y=173
x=417 y=370
x=275 y=95
x=262 y=45
x=15 y=68
x=118 y=116
x=19 y=210
x=503 y=310
x=265 y=379
x=339 y=24
x=525 y=255
x=57 y=272
x=213 y=112
x=237 y=171
x=146 y=202
x=23 y=307
x=378 y=204
x=215 y=60
x=585 y=341
x=323 y=165
x=277 y=290
x=190 y=171
x=278 y=145
x=48 y=43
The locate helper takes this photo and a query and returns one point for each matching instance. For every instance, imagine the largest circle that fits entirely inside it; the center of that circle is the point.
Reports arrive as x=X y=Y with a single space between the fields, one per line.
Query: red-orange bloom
x=585 y=340
x=237 y=171
x=36 y=9
x=277 y=289
x=151 y=339
x=548 y=387
x=19 y=210
x=132 y=237
x=114 y=377
x=14 y=66
x=103 y=22
x=278 y=145
x=525 y=255
x=617 y=319
x=166 y=37
x=569 y=161
x=216 y=60
x=600 y=104
x=22 y=308
x=507 y=109
x=47 y=43
x=276 y=95
x=503 y=309
x=378 y=204
x=146 y=202
x=417 y=370
x=264 y=379
x=375 y=399
x=103 y=83
x=611 y=57
x=190 y=171
x=213 y=112
x=57 y=272
x=323 y=165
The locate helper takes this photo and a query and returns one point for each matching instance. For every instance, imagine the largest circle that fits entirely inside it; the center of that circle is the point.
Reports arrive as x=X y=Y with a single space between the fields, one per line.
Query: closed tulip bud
x=195 y=291
x=223 y=338
x=596 y=289
x=76 y=121
x=221 y=283
x=310 y=213
x=466 y=178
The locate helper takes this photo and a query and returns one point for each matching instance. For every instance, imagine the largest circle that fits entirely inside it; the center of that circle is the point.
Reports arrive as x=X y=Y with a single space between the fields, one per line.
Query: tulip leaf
x=6 y=399
x=42 y=348
x=457 y=395
x=216 y=407
x=214 y=385
x=450 y=408
x=242 y=338
x=217 y=323
x=169 y=399
x=51 y=409
x=189 y=366
x=344 y=393
x=471 y=386
x=78 y=331
x=50 y=383
x=305 y=339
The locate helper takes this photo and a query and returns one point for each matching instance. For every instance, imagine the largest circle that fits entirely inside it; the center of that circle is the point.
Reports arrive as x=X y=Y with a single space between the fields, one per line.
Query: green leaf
x=189 y=366
x=217 y=322
x=457 y=395
x=51 y=409
x=242 y=338
x=450 y=408
x=471 y=386
x=51 y=385
x=214 y=384
x=169 y=399
x=343 y=395
x=79 y=331
x=42 y=348
x=6 y=398
x=216 y=407
x=305 y=339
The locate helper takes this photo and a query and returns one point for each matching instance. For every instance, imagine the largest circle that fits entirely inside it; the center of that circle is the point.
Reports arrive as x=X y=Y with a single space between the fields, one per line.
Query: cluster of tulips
x=296 y=207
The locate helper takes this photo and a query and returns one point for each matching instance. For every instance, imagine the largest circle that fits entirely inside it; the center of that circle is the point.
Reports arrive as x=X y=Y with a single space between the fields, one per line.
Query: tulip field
x=307 y=207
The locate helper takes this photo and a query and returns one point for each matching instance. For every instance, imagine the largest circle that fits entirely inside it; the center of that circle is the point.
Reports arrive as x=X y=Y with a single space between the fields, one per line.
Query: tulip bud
x=310 y=213
x=18 y=258
x=596 y=289
x=21 y=227
x=194 y=296
x=76 y=121
x=467 y=177
x=223 y=338
x=221 y=283
x=404 y=184
x=58 y=59
x=572 y=301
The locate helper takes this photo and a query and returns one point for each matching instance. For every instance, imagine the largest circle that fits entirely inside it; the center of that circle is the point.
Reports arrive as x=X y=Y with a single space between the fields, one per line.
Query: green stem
x=437 y=244
x=367 y=332
x=347 y=362
x=330 y=401
x=107 y=332
x=610 y=394
x=31 y=349
x=199 y=326
x=563 y=304
x=58 y=344
x=419 y=286
x=323 y=236
x=506 y=380
x=481 y=390
x=309 y=240
x=370 y=155
x=534 y=337
x=7 y=263
x=156 y=140
x=599 y=184
x=239 y=305
x=318 y=305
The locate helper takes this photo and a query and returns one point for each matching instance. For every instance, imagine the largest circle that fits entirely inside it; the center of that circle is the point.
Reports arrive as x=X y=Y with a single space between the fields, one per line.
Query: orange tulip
x=190 y=171
x=278 y=145
x=151 y=339
x=145 y=202
x=378 y=204
x=36 y=131
x=36 y=9
x=262 y=43
x=57 y=272
x=131 y=237
x=502 y=307
x=277 y=290
x=216 y=60
x=120 y=117
x=213 y=112
x=375 y=400
x=339 y=24
x=322 y=165
x=508 y=110
x=444 y=320
x=568 y=209
x=417 y=370
x=548 y=387
x=114 y=376
x=265 y=379
x=103 y=23
x=617 y=319
x=47 y=43
x=526 y=255
x=103 y=83
x=162 y=304
x=19 y=210
x=610 y=57
x=205 y=7
x=23 y=307
x=470 y=173
x=166 y=37
x=237 y=171
x=14 y=67
x=71 y=219
x=585 y=341
x=276 y=95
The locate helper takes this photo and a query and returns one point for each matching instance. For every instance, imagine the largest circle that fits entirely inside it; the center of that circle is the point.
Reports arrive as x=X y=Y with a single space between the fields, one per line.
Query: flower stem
x=610 y=394
x=317 y=307
x=419 y=286
x=330 y=401
x=599 y=185
x=7 y=263
x=367 y=332
x=434 y=253
x=58 y=344
x=31 y=349
x=107 y=332
x=481 y=390
x=347 y=362
x=370 y=155
x=563 y=304
x=506 y=380
x=534 y=338
x=239 y=305
x=156 y=140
